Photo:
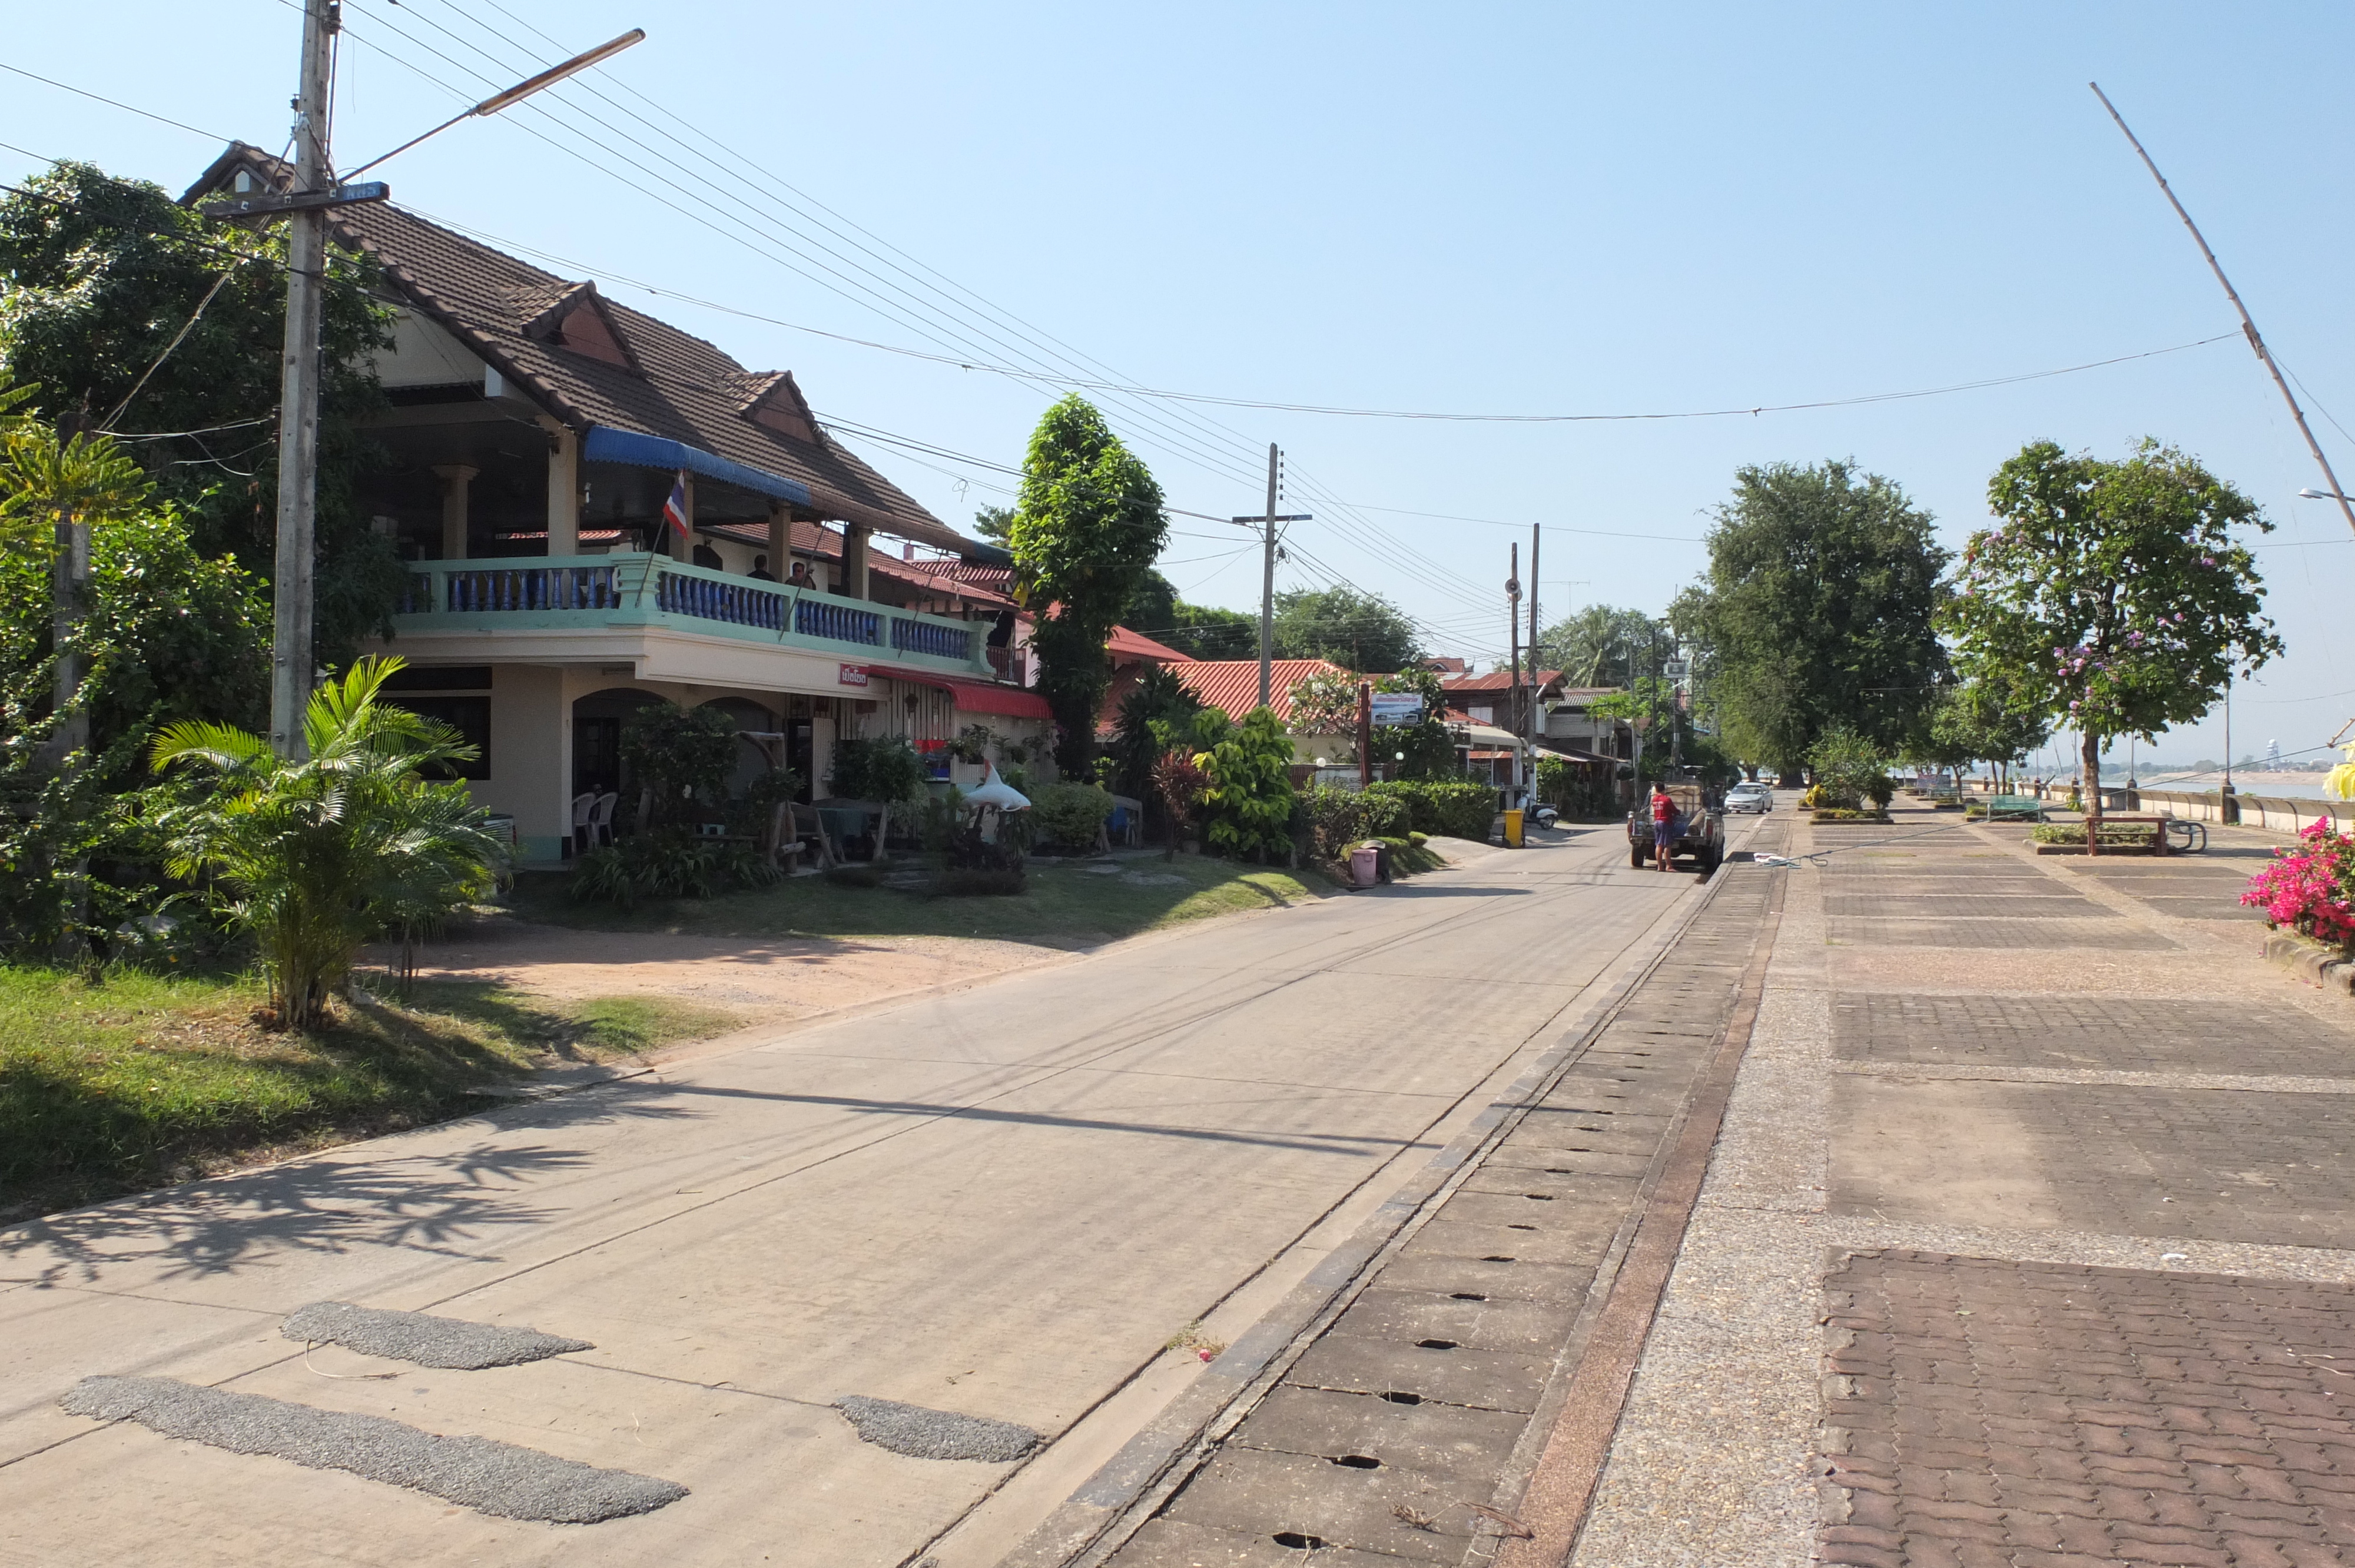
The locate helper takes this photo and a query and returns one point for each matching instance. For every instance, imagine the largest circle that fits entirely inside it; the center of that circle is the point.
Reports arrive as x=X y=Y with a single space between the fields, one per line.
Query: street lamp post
x=315 y=189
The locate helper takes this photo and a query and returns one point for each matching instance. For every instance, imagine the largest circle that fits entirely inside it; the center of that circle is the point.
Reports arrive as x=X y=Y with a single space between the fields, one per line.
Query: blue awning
x=605 y=444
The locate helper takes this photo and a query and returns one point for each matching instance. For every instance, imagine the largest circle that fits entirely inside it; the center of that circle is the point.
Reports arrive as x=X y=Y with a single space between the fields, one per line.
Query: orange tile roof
x=1494 y=681
x=1127 y=645
x=1234 y=683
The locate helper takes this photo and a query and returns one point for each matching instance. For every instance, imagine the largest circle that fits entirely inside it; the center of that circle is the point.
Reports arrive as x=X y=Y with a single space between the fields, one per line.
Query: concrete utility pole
x=1513 y=631
x=298 y=396
x=1267 y=582
x=1268 y=520
x=1535 y=662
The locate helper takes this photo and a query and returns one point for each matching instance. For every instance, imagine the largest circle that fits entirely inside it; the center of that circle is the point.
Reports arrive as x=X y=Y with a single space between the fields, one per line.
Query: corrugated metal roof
x=1494 y=681
x=1234 y=683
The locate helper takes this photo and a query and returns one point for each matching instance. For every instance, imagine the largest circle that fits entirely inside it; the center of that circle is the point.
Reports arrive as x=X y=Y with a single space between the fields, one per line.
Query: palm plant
x=318 y=856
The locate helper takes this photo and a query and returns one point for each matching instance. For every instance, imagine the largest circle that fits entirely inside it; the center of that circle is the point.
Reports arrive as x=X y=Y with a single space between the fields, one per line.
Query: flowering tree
x=2110 y=597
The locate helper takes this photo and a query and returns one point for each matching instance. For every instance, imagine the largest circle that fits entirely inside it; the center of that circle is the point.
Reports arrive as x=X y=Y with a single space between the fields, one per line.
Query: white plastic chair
x=581 y=807
x=600 y=818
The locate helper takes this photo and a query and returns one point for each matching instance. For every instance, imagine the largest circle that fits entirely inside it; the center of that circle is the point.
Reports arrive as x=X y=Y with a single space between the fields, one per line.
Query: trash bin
x=1365 y=866
x=1512 y=830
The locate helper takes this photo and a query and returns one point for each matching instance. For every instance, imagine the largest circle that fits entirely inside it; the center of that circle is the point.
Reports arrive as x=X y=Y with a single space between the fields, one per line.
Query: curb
x=2309 y=960
x=1169 y=1447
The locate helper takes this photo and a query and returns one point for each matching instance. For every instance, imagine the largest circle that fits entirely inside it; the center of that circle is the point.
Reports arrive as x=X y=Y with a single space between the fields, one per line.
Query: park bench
x=2015 y=809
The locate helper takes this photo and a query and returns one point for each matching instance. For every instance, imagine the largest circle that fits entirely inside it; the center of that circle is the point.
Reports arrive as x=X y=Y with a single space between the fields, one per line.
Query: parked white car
x=1757 y=797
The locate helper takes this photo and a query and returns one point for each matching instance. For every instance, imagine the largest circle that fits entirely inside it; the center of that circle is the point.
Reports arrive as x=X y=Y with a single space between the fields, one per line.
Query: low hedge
x=1844 y=814
x=1464 y=810
x=2124 y=835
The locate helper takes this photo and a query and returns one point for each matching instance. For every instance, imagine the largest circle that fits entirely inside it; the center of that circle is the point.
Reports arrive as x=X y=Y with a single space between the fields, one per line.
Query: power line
x=111 y=103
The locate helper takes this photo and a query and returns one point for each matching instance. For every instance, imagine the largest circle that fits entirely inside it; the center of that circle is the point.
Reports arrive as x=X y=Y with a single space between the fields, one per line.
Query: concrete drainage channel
x=1404 y=1421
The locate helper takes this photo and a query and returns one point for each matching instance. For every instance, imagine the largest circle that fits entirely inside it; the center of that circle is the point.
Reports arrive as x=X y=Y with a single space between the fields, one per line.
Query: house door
x=801 y=756
x=596 y=755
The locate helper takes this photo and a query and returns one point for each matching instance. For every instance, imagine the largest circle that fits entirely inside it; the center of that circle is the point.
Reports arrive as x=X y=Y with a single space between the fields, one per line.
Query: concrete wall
x=530 y=757
x=2274 y=813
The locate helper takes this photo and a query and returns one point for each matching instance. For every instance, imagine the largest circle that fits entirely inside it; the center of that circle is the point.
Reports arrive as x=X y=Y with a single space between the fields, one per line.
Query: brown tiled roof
x=678 y=387
x=1496 y=680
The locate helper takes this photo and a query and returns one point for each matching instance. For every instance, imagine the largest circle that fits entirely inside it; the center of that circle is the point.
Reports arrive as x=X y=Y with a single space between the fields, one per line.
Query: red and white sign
x=852 y=675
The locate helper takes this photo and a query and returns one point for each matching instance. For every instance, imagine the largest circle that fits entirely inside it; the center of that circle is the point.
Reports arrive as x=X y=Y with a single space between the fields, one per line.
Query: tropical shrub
x=318 y=856
x=1247 y=801
x=1177 y=784
x=1576 y=791
x=2310 y=889
x=1334 y=820
x=888 y=771
x=1069 y=817
x=1849 y=771
x=1458 y=810
x=678 y=755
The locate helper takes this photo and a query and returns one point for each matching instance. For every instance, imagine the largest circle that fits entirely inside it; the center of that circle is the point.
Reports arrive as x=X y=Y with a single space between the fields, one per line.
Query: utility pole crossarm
x=264 y=204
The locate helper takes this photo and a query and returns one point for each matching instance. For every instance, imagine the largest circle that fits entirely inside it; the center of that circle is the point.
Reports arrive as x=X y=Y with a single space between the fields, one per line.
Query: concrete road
x=1002 y=1202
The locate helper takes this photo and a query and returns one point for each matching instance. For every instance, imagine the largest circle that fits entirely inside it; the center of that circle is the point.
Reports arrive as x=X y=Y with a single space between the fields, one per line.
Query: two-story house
x=536 y=429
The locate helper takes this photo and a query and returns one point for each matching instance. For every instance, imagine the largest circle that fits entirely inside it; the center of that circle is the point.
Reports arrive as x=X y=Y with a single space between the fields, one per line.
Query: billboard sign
x=1395 y=709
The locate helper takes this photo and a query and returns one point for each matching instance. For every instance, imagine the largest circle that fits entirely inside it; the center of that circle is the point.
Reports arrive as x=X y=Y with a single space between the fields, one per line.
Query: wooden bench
x=2156 y=823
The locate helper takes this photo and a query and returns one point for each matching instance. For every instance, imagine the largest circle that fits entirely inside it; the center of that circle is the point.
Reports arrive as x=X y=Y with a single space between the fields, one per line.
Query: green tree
x=1601 y=645
x=678 y=755
x=1090 y=526
x=1361 y=632
x=1205 y=631
x=318 y=856
x=1819 y=608
x=97 y=277
x=1247 y=801
x=1983 y=719
x=994 y=523
x=1152 y=607
x=2112 y=594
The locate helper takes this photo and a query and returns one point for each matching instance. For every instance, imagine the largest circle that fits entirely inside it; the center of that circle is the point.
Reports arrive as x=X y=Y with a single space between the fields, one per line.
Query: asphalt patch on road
x=489 y=1477
x=430 y=1341
x=922 y=1433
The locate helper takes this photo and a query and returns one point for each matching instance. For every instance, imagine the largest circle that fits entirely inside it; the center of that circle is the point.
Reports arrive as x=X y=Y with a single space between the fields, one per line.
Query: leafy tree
x=1090 y=526
x=1205 y=631
x=676 y=755
x=99 y=274
x=1983 y=719
x=1360 y=631
x=1325 y=702
x=318 y=856
x=1248 y=800
x=1601 y=645
x=994 y=523
x=1819 y=602
x=1152 y=607
x=2110 y=594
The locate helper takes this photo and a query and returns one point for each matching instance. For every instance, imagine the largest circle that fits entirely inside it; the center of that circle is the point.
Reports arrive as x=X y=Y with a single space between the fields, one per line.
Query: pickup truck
x=1700 y=827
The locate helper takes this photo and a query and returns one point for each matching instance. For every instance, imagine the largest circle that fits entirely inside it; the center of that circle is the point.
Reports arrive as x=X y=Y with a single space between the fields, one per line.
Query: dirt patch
x=767 y=979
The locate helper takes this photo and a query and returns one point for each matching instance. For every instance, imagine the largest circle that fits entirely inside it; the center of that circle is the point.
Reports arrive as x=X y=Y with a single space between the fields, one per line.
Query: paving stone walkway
x=2029 y=1239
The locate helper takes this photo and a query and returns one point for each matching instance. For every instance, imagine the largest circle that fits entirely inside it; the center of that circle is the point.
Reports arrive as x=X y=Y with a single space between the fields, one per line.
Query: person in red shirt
x=1664 y=827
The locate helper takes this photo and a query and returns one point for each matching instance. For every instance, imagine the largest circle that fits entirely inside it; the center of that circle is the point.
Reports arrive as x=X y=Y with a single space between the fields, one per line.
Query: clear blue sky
x=1513 y=208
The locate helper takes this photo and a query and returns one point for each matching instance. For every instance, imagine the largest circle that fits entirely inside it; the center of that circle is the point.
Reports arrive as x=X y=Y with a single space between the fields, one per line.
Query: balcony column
x=563 y=491
x=854 y=559
x=455 y=477
x=780 y=540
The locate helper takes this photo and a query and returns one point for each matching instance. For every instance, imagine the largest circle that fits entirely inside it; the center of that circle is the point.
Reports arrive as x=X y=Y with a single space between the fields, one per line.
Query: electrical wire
x=112 y=103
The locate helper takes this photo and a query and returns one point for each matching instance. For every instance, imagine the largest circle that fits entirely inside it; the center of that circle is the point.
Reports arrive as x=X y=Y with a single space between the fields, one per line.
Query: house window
x=471 y=718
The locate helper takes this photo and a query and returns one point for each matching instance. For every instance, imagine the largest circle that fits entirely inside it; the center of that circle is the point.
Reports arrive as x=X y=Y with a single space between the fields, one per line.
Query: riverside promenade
x=2029 y=1239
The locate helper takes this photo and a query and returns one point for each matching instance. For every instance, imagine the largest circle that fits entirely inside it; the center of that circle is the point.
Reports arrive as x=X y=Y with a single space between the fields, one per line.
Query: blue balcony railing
x=931 y=637
x=837 y=623
x=633 y=590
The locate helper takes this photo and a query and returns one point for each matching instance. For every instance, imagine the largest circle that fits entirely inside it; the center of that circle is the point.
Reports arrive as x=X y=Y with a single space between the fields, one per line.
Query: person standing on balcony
x=705 y=556
x=760 y=572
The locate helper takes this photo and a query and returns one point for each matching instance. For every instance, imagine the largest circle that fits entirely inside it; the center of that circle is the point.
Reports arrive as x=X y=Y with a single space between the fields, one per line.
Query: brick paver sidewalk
x=2030 y=1240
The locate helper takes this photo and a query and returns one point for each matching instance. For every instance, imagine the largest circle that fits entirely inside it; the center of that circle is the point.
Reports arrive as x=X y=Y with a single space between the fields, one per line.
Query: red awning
x=986 y=697
x=972 y=696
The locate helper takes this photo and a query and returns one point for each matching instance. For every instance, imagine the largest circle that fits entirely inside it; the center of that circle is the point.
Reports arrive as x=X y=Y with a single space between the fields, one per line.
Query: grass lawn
x=1071 y=905
x=136 y=1079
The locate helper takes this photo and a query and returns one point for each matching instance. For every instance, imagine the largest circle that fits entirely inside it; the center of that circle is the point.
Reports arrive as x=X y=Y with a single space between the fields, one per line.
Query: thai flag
x=674 y=509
